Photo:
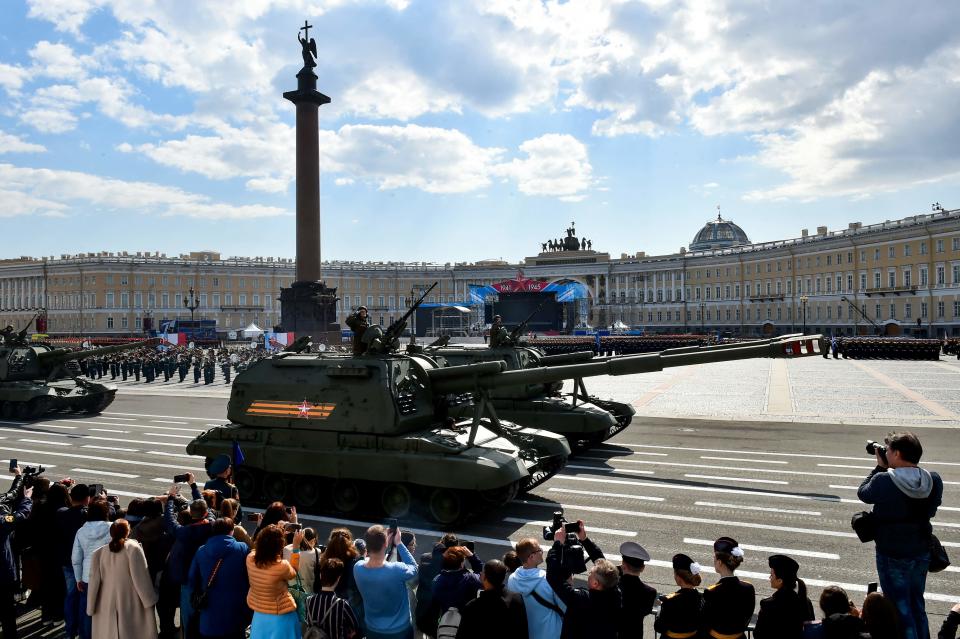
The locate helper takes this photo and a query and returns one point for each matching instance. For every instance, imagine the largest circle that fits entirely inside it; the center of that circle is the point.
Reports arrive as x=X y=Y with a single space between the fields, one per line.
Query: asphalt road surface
x=671 y=484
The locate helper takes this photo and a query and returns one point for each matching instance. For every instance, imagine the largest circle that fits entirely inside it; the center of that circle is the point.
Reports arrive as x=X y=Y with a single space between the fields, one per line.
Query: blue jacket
x=454 y=588
x=8 y=565
x=186 y=541
x=542 y=622
x=904 y=500
x=226 y=612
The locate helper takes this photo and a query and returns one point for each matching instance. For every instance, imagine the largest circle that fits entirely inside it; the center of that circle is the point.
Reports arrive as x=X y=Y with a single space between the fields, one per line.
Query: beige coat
x=121 y=597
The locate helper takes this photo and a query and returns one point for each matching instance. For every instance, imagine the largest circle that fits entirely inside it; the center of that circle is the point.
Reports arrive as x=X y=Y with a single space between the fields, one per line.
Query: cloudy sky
x=470 y=129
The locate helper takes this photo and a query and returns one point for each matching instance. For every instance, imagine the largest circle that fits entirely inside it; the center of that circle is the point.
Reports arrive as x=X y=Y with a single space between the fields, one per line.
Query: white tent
x=252 y=331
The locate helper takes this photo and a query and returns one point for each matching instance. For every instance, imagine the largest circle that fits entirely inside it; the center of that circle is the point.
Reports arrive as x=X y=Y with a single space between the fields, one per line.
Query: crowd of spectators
x=109 y=573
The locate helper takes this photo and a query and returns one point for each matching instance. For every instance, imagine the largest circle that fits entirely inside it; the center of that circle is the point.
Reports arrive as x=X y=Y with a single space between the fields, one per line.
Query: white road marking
x=122 y=450
x=706 y=489
x=150 y=426
x=13 y=423
x=541 y=524
x=786 y=511
x=131 y=441
x=839 y=487
x=742 y=459
x=202 y=419
x=609 y=470
x=50 y=453
x=49 y=425
x=22 y=462
x=107 y=430
x=123 y=493
x=706 y=520
x=156 y=452
x=163 y=421
x=944 y=524
x=102 y=472
x=776 y=551
x=763 y=452
x=45 y=442
x=743 y=479
x=950 y=544
x=125 y=419
x=169 y=435
x=846 y=466
x=596 y=494
x=777 y=471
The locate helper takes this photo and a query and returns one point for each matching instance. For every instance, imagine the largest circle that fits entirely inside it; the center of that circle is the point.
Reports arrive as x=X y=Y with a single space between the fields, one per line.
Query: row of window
x=817 y=312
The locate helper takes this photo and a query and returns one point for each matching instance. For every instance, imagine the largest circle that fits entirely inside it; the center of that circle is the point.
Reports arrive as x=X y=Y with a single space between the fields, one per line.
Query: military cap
x=784 y=567
x=218 y=465
x=633 y=550
x=683 y=562
x=496 y=317
x=728 y=545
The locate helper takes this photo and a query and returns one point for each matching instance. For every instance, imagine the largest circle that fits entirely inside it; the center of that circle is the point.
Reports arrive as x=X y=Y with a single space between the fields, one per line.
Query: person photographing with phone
x=905 y=497
x=383 y=585
x=14 y=511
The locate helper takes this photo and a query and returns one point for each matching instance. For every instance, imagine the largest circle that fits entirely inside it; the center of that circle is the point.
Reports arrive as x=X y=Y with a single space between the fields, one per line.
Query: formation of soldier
x=881 y=348
x=175 y=363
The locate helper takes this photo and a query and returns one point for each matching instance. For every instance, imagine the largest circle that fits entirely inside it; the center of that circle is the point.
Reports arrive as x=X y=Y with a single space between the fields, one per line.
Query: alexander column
x=308 y=307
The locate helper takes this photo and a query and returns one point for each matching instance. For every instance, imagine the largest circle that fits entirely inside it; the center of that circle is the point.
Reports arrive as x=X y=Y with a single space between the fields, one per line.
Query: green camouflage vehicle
x=36 y=378
x=375 y=432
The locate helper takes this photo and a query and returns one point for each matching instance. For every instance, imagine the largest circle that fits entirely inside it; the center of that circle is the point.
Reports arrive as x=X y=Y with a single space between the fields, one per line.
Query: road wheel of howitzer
x=346 y=495
x=274 y=487
x=445 y=506
x=307 y=491
x=38 y=407
x=96 y=405
x=21 y=410
x=6 y=410
x=248 y=483
x=396 y=500
x=499 y=496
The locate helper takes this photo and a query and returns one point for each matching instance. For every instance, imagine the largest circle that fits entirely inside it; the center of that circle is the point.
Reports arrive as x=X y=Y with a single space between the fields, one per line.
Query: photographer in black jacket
x=594 y=611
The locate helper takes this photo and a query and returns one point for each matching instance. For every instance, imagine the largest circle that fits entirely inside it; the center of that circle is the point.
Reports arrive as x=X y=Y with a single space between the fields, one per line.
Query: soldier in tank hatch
x=358 y=323
x=498 y=333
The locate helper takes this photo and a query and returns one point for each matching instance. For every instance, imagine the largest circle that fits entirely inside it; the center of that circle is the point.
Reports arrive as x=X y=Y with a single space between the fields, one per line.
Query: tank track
x=623 y=418
x=38 y=407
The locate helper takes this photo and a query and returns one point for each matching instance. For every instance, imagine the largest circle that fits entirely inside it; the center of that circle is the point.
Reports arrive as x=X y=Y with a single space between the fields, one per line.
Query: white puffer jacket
x=92 y=535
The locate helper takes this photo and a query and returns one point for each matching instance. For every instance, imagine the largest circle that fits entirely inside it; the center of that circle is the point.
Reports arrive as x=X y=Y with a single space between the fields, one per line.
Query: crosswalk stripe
x=742 y=459
x=102 y=472
x=169 y=435
x=165 y=416
x=107 y=430
x=740 y=479
x=114 y=448
x=778 y=551
x=608 y=470
x=164 y=421
x=156 y=452
x=785 y=511
x=45 y=442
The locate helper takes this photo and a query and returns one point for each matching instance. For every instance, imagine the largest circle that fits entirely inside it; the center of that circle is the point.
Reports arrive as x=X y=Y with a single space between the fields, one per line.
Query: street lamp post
x=803 y=302
x=413 y=332
x=191 y=303
x=702 y=316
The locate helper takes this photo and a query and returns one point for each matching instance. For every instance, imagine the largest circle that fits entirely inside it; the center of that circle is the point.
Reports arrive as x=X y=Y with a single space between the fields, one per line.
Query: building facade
x=895 y=277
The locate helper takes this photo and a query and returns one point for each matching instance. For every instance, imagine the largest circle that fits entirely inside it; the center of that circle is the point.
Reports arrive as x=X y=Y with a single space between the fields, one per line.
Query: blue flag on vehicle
x=237 y=454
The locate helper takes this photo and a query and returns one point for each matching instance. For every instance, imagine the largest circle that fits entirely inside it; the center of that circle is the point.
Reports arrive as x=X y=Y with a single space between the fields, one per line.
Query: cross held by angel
x=309 y=46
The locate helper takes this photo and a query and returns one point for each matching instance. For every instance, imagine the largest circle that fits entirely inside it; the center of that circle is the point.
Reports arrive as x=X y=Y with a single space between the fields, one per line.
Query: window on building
x=923 y=248
x=829 y=260
x=818 y=285
x=863 y=256
x=939 y=246
x=923 y=276
x=242 y=299
x=109 y=300
x=891 y=278
x=839 y=312
x=893 y=311
x=863 y=281
x=956 y=244
x=369 y=300
x=849 y=257
x=956 y=308
x=228 y=299
x=215 y=300
x=891 y=252
x=697 y=292
x=138 y=299
x=908 y=311
x=876 y=279
x=216 y=281
x=736 y=291
x=829 y=285
x=876 y=255
x=876 y=313
x=907 y=275
x=923 y=310
x=124 y=280
x=123 y=322
x=940 y=309
x=941 y=274
x=138 y=323
x=736 y=314
x=829 y=312
x=907 y=250
x=956 y=273
x=689 y=313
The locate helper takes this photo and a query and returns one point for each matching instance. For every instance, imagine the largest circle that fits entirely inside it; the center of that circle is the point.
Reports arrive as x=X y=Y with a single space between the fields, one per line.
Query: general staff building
x=894 y=277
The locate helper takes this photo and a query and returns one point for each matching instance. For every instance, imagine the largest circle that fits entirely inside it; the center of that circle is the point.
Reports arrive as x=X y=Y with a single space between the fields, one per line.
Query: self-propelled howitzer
x=341 y=433
x=37 y=378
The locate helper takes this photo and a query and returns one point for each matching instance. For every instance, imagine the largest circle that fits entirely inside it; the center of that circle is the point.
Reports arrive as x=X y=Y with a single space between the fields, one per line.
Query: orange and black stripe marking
x=301 y=410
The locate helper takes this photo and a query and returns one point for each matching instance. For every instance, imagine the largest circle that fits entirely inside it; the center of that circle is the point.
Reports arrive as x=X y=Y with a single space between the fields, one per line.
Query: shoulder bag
x=199 y=600
x=939 y=560
x=300 y=597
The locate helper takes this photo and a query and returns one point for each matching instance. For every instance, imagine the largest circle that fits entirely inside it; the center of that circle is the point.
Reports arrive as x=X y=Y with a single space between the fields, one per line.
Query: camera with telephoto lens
x=571 y=555
x=873 y=448
x=30 y=474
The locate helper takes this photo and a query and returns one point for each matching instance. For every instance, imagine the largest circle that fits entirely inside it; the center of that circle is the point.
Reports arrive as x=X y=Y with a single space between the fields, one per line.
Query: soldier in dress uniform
x=728 y=604
x=638 y=597
x=358 y=323
x=681 y=612
x=221 y=472
x=183 y=367
x=225 y=368
x=498 y=332
x=209 y=369
x=782 y=616
x=148 y=370
x=197 y=367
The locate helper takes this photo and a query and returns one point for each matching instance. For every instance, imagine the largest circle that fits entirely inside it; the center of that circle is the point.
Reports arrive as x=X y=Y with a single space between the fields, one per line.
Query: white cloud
x=396 y=93
x=14 y=144
x=12 y=77
x=49 y=120
x=29 y=191
x=557 y=165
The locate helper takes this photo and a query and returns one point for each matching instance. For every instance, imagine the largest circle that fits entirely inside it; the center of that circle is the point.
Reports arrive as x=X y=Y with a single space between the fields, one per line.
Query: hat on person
x=683 y=562
x=218 y=465
x=496 y=317
x=784 y=567
x=633 y=553
x=361 y=308
x=728 y=545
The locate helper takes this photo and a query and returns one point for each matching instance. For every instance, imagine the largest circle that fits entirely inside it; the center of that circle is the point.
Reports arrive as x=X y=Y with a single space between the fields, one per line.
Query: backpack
x=449 y=624
x=312 y=631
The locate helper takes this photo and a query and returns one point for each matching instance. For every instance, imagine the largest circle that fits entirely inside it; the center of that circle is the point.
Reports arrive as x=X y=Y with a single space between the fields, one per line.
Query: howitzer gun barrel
x=566 y=358
x=459 y=379
x=60 y=355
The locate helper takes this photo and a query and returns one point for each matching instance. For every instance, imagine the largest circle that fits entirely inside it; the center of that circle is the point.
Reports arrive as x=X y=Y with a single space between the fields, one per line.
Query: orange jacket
x=268 y=586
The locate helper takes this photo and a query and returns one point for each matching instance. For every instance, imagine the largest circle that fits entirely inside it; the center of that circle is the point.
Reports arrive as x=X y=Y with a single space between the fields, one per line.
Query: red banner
x=520 y=284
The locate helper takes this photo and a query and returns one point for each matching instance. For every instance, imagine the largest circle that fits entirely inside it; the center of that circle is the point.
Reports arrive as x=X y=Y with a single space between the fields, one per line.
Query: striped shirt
x=341 y=623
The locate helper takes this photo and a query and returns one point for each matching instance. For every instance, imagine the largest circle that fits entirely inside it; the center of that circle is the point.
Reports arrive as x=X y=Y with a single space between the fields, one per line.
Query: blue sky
x=469 y=129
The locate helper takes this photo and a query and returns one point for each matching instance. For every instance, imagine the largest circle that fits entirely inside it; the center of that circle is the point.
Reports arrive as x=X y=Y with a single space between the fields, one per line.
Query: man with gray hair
x=186 y=541
x=594 y=611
